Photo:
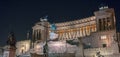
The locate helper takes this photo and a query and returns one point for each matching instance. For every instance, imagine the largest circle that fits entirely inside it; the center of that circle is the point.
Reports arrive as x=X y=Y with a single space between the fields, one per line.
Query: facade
x=23 y=48
x=94 y=34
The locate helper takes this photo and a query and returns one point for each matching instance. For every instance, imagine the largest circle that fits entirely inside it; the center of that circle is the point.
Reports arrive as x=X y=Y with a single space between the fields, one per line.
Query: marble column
x=81 y=32
x=35 y=35
x=33 y=32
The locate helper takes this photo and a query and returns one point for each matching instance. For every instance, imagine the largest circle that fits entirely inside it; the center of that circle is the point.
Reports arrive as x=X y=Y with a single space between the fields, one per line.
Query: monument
x=11 y=49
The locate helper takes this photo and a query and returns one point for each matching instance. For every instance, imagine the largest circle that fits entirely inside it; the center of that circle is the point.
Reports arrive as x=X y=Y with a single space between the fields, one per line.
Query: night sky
x=20 y=15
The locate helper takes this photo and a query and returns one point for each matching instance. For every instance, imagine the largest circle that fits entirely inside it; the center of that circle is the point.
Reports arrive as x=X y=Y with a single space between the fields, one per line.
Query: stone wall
x=62 y=55
x=103 y=51
x=95 y=41
x=55 y=55
x=114 y=55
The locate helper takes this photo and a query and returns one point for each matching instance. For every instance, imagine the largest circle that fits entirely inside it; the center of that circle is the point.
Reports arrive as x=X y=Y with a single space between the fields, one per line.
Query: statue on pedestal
x=11 y=42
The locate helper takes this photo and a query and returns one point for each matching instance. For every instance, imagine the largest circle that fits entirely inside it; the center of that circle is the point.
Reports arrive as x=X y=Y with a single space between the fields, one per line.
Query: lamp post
x=45 y=47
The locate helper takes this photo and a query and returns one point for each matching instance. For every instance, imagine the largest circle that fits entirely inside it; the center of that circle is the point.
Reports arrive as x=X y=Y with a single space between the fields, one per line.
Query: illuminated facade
x=96 y=33
x=23 y=48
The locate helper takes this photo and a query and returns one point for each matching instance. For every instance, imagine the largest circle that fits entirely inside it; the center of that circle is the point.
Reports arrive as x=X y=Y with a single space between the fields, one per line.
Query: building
x=95 y=34
x=23 y=48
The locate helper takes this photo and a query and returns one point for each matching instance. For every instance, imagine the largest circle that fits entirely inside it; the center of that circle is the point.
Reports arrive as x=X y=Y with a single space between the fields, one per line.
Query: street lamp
x=45 y=47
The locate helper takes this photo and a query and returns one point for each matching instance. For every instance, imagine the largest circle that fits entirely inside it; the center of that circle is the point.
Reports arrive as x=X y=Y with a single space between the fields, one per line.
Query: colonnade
x=73 y=33
x=106 y=24
x=37 y=34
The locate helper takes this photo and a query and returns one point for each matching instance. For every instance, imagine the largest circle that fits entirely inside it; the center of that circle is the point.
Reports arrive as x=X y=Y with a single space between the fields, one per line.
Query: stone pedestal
x=12 y=51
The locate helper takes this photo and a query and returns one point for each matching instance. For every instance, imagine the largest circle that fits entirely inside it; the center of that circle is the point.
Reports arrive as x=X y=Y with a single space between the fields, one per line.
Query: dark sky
x=21 y=15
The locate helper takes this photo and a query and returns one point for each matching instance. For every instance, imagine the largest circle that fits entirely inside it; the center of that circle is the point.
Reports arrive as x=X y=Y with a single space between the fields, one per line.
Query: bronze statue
x=11 y=40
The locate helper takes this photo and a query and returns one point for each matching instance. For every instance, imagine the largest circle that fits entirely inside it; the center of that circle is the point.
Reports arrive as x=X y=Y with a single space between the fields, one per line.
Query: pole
x=46 y=32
